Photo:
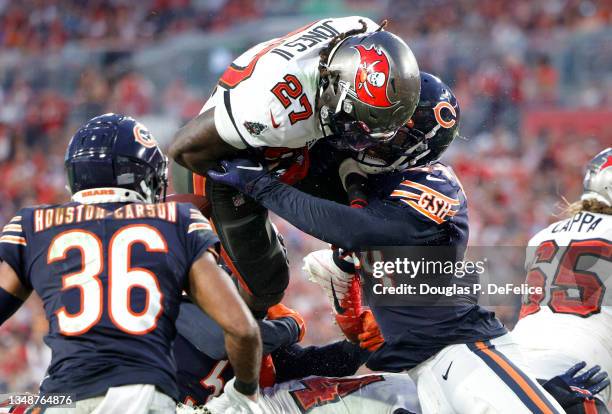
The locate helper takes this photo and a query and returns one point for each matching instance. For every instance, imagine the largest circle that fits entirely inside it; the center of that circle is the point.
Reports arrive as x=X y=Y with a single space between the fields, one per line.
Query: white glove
x=185 y=409
x=234 y=402
x=321 y=269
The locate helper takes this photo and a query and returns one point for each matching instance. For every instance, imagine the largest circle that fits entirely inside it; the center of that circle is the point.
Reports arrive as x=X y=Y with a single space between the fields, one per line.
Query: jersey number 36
x=122 y=278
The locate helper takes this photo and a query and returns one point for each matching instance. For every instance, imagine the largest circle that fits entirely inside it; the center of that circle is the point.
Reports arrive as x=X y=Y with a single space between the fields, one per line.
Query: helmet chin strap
x=370 y=167
x=418 y=157
x=400 y=163
x=345 y=88
x=147 y=192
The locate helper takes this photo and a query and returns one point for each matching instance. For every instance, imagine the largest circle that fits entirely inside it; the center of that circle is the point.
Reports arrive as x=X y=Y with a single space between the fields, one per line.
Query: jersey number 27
x=291 y=88
x=122 y=278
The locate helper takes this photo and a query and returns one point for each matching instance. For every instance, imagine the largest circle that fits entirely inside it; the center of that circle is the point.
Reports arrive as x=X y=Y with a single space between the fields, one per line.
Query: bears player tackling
x=459 y=354
x=339 y=76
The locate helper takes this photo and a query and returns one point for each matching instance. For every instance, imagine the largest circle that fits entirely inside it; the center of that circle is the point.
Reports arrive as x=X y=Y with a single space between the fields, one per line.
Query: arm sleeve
x=8 y=305
x=200 y=330
x=13 y=245
x=207 y=336
x=380 y=223
x=337 y=359
x=278 y=333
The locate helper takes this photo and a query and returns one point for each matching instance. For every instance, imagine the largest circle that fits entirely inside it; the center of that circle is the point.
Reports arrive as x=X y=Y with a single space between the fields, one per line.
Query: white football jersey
x=571 y=320
x=266 y=97
x=372 y=393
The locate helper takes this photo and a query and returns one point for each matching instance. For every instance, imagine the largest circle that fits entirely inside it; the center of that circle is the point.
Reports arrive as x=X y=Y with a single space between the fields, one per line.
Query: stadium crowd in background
x=514 y=178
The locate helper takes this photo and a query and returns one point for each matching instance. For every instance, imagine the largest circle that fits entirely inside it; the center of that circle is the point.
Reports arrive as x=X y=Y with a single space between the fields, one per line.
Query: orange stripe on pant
x=590 y=407
x=230 y=264
x=524 y=385
x=199 y=184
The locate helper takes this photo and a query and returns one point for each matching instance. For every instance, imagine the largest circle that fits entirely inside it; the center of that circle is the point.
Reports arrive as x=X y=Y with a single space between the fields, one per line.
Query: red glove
x=348 y=311
x=267 y=372
x=281 y=311
x=370 y=338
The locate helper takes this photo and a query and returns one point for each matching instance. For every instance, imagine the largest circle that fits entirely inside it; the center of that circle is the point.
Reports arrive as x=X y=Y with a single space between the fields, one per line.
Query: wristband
x=246 y=388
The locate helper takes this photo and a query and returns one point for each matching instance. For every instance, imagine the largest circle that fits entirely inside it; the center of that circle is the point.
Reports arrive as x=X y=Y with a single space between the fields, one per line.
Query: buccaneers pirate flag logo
x=372 y=76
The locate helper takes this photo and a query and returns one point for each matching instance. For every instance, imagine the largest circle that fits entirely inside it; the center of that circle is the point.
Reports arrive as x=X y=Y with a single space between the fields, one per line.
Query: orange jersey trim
x=13 y=240
x=422 y=187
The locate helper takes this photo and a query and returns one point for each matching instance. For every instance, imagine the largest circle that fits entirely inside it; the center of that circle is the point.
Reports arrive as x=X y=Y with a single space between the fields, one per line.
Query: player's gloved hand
x=185 y=409
x=570 y=388
x=348 y=311
x=330 y=271
x=279 y=311
x=234 y=402
x=370 y=338
x=239 y=173
x=321 y=269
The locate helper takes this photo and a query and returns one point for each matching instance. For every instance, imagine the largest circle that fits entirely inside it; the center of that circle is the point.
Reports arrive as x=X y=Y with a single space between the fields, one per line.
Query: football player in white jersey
x=373 y=393
x=341 y=77
x=571 y=260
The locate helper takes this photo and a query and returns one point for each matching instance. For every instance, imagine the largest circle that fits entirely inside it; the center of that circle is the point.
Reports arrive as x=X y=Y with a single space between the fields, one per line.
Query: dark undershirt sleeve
x=337 y=359
x=340 y=225
x=278 y=333
x=207 y=336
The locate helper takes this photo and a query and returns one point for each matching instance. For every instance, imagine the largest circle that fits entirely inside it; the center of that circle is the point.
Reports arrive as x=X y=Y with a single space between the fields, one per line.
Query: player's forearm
x=197 y=145
x=278 y=333
x=212 y=289
x=340 y=225
x=337 y=359
x=8 y=305
x=12 y=292
x=320 y=218
x=244 y=353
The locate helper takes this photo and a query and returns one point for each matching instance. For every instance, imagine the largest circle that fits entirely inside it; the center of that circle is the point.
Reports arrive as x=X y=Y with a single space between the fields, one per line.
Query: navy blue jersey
x=432 y=200
x=203 y=367
x=200 y=377
x=424 y=206
x=110 y=276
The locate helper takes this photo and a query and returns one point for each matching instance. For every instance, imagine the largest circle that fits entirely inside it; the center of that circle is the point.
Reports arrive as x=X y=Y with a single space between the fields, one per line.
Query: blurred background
x=534 y=80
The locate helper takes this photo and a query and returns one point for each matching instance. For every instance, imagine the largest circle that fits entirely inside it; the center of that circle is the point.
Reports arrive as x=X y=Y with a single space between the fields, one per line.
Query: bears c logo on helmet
x=372 y=76
x=438 y=114
x=144 y=137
